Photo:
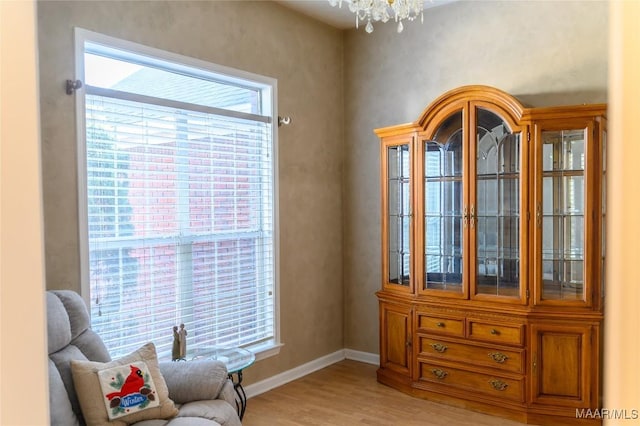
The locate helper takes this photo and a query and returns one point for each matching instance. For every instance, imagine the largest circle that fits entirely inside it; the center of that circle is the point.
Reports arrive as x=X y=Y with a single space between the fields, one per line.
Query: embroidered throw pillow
x=123 y=391
x=127 y=389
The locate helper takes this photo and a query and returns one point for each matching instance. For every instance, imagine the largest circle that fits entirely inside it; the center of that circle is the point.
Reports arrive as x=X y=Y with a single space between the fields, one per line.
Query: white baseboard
x=265 y=385
x=366 y=357
x=295 y=373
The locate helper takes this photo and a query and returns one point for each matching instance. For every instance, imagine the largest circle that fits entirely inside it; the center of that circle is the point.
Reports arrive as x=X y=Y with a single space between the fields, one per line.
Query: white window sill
x=265 y=349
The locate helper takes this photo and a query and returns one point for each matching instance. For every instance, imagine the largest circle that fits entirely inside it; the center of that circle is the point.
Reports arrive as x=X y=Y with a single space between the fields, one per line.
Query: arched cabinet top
x=455 y=99
x=479 y=93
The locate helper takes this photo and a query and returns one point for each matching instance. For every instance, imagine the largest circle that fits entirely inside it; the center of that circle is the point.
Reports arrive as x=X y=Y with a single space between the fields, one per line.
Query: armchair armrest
x=228 y=393
x=196 y=380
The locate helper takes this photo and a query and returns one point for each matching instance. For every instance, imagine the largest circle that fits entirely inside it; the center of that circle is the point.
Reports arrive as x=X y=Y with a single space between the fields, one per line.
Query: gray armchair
x=200 y=390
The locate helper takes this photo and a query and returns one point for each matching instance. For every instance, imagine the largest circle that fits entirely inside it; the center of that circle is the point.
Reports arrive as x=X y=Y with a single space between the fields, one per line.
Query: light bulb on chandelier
x=383 y=10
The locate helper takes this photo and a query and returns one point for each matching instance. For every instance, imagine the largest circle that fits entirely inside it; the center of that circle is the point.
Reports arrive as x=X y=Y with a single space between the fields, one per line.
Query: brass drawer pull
x=438 y=347
x=498 y=384
x=498 y=357
x=440 y=324
x=494 y=332
x=440 y=374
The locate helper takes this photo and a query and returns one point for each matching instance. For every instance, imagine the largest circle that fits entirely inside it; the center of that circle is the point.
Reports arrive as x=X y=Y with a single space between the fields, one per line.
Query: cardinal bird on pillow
x=132 y=384
x=127 y=389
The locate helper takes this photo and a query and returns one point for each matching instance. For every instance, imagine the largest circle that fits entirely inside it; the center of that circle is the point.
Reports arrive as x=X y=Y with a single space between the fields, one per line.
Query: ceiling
x=337 y=17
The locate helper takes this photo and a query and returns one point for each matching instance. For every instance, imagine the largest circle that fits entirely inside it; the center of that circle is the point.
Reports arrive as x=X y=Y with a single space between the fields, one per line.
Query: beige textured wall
x=259 y=37
x=544 y=53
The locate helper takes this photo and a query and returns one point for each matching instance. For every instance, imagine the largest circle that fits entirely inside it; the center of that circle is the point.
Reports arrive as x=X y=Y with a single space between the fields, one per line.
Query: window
x=177 y=198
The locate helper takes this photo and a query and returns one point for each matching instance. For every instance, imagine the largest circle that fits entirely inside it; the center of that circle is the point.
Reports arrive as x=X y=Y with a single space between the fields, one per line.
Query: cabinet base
x=499 y=409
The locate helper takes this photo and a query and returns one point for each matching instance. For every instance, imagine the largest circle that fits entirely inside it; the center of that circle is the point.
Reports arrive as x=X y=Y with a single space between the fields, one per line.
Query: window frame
x=225 y=74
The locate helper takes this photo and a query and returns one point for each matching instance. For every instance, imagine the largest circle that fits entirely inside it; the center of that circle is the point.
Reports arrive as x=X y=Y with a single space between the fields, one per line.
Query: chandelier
x=383 y=10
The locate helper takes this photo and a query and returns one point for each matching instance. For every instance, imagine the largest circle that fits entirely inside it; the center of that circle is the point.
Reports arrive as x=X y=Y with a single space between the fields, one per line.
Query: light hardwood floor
x=347 y=393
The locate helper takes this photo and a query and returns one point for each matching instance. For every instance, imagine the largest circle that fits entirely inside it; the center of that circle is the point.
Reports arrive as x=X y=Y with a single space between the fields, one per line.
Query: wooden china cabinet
x=493 y=256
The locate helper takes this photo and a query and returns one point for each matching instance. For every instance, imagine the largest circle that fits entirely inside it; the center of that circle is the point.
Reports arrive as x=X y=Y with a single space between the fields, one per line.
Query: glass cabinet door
x=562 y=214
x=443 y=211
x=496 y=212
x=399 y=214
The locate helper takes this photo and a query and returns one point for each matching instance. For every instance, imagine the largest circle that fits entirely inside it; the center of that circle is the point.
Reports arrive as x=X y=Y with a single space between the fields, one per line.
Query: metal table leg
x=241 y=396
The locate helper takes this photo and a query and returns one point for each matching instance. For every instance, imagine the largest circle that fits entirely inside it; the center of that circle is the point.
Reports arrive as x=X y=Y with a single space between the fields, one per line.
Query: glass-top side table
x=236 y=360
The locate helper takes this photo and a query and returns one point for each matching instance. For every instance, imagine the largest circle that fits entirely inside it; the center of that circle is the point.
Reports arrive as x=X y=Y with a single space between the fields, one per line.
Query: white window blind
x=179 y=205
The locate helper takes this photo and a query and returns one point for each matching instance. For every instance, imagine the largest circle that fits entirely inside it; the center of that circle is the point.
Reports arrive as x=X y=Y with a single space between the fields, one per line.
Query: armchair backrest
x=69 y=338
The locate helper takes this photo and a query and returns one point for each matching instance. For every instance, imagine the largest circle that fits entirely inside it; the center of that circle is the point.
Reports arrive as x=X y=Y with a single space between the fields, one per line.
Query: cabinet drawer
x=487 y=384
x=445 y=349
x=507 y=334
x=441 y=325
